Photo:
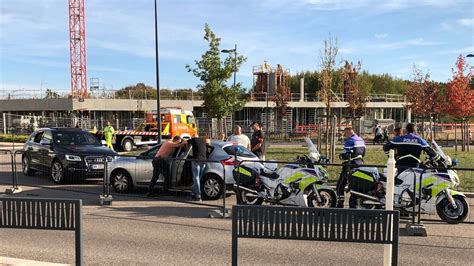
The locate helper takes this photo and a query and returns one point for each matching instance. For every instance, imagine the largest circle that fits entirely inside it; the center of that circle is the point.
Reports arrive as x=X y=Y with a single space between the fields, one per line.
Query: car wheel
x=127 y=145
x=121 y=181
x=26 y=165
x=57 y=172
x=211 y=187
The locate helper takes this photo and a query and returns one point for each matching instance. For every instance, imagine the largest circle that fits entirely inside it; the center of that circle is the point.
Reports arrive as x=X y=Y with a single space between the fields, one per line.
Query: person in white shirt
x=240 y=138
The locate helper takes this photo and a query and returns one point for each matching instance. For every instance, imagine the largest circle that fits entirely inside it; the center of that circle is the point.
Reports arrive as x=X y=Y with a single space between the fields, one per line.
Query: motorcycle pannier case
x=244 y=176
x=363 y=180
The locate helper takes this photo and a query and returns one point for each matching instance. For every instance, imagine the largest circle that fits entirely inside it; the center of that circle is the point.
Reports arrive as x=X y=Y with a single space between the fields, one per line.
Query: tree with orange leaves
x=461 y=97
x=424 y=96
x=459 y=92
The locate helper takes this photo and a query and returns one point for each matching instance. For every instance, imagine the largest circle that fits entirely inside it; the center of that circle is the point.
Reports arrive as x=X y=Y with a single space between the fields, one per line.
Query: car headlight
x=111 y=158
x=73 y=158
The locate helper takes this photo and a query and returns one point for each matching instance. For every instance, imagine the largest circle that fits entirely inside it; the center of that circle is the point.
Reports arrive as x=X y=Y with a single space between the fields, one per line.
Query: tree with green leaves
x=220 y=99
x=138 y=91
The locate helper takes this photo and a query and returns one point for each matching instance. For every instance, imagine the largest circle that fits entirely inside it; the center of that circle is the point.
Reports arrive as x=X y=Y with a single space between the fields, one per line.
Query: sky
x=385 y=36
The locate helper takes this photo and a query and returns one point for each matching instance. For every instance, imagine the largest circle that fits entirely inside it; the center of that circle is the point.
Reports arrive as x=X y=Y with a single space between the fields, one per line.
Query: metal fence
x=335 y=225
x=117 y=175
x=44 y=214
x=26 y=124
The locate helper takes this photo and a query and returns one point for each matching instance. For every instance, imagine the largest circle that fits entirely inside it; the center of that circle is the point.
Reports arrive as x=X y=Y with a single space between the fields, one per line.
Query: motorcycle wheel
x=356 y=202
x=247 y=198
x=450 y=215
x=328 y=197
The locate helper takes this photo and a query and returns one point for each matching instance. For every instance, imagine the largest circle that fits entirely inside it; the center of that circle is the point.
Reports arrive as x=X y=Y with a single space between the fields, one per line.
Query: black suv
x=63 y=153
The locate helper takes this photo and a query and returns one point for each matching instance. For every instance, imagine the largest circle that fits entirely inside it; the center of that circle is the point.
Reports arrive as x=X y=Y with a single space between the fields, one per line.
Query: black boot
x=340 y=202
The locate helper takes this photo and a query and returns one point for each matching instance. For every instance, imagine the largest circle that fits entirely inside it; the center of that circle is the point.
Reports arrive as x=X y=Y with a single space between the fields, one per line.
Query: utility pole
x=158 y=111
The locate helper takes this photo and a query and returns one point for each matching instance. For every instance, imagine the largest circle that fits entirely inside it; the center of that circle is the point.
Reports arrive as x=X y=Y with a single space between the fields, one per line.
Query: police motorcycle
x=367 y=189
x=303 y=183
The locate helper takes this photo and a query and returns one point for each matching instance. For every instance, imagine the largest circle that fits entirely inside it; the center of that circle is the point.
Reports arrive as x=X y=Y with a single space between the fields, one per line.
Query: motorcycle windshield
x=313 y=151
x=438 y=150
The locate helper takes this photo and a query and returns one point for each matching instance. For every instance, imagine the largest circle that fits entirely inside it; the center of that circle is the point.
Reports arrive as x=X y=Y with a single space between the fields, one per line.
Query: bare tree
x=328 y=63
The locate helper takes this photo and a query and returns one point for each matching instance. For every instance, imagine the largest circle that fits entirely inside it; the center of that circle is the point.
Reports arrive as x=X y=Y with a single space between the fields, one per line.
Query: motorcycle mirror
x=315 y=156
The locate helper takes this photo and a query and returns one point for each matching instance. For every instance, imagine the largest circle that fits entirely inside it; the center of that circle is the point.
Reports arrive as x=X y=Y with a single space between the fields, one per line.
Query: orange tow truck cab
x=175 y=122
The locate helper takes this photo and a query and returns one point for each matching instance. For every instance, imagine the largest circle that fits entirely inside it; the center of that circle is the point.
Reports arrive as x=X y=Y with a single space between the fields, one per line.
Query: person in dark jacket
x=198 y=164
x=385 y=134
x=353 y=154
x=408 y=149
x=257 y=142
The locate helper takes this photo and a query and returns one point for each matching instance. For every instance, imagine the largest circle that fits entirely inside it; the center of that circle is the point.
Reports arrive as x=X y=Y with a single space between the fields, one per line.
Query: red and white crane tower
x=77 y=38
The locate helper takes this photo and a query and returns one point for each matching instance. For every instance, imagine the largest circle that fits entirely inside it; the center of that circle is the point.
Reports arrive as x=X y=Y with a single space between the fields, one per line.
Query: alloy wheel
x=26 y=165
x=57 y=172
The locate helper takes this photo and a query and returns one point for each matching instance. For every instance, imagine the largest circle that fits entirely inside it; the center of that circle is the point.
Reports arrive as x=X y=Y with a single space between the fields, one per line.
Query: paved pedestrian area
x=141 y=231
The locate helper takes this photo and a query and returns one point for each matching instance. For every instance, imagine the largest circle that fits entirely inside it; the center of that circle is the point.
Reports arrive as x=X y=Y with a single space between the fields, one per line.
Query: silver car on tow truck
x=127 y=173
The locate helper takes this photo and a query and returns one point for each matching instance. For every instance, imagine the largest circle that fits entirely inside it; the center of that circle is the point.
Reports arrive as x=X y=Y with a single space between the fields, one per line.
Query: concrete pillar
x=408 y=115
x=4 y=123
x=387 y=254
x=301 y=89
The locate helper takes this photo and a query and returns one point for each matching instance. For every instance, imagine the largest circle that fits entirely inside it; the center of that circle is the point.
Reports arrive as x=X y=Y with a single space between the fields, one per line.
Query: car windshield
x=78 y=138
x=241 y=151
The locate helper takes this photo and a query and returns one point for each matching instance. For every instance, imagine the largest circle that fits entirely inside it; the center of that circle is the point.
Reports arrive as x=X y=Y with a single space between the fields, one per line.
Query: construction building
x=302 y=110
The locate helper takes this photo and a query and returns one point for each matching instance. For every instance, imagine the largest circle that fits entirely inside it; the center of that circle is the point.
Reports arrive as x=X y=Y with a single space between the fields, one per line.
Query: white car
x=127 y=173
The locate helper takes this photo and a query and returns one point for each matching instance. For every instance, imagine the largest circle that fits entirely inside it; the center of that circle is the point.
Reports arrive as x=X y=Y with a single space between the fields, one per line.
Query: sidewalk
x=14 y=261
x=10 y=145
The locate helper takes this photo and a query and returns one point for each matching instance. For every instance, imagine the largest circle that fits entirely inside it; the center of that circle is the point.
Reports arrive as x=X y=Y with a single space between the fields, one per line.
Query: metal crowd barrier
x=296 y=223
x=14 y=188
x=178 y=185
x=44 y=214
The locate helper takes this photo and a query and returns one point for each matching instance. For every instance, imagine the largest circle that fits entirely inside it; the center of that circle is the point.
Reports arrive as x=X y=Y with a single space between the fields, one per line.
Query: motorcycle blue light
x=454 y=162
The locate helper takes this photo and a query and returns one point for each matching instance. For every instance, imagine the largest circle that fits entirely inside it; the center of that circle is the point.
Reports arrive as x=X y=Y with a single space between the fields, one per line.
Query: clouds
x=386 y=35
x=381 y=35
x=458 y=25
x=376 y=5
x=468 y=22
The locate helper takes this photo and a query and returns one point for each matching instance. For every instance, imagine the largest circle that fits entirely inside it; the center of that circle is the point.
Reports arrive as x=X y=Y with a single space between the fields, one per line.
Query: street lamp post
x=267 y=111
x=158 y=111
x=234 y=51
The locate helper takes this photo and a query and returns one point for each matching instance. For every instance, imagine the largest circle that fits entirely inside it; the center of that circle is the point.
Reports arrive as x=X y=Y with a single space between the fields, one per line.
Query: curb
x=14 y=261
x=469 y=194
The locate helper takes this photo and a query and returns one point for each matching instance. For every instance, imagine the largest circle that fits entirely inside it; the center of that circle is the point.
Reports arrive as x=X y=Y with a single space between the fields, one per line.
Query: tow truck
x=174 y=122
